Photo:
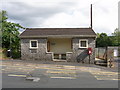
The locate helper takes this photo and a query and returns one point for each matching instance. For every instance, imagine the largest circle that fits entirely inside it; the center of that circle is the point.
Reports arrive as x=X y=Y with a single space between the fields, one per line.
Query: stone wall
x=40 y=51
x=80 y=54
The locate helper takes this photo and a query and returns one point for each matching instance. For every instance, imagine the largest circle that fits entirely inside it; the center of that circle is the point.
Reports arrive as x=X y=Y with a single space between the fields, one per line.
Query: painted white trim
x=69 y=52
x=49 y=52
x=33 y=47
x=83 y=40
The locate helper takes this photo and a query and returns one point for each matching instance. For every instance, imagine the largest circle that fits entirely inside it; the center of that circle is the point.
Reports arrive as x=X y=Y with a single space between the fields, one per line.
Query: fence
x=109 y=55
x=101 y=53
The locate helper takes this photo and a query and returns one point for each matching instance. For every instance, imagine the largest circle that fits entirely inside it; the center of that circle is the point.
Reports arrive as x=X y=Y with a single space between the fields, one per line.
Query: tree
x=116 y=36
x=10 y=39
x=103 y=40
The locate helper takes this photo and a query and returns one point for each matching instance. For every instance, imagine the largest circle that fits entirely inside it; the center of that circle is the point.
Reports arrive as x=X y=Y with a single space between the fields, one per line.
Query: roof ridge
x=58 y=28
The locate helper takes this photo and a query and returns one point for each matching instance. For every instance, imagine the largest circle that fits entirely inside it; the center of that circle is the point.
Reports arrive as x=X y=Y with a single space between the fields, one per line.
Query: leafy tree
x=10 y=39
x=116 y=37
x=103 y=40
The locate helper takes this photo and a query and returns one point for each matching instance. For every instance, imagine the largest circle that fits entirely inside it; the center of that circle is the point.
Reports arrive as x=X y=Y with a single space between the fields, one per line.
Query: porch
x=61 y=48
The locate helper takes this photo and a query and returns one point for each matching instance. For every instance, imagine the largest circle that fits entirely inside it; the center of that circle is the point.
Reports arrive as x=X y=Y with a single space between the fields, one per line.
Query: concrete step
x=59 y=60
x=101 y=64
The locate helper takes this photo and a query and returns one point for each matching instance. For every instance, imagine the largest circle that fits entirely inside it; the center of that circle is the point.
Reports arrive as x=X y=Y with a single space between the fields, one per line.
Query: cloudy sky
x=63 y=13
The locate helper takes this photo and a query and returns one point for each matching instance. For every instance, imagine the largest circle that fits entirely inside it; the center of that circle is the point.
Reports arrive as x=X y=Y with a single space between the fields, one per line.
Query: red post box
x=89 y=51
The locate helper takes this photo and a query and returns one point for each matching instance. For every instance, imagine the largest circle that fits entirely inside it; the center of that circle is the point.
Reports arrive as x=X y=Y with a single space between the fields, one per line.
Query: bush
x=16 y=54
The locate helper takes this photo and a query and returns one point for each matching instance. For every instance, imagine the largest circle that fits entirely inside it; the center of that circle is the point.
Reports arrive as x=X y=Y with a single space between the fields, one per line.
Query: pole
x=91 y=16
x=89 y=59
x=106 y=53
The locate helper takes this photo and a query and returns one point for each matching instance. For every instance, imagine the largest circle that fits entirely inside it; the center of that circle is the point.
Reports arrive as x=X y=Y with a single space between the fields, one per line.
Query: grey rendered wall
x=41 y=50
x=80 y=54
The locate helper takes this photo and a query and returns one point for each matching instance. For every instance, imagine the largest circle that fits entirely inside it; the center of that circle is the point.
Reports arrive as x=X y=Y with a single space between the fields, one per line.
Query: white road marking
x=13 y=75
x=58 y=72
x=64 y=77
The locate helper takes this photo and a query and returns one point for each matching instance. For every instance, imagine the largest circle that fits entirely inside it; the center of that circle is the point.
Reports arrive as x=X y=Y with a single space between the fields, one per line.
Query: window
x=83 y=43
x=33 y=44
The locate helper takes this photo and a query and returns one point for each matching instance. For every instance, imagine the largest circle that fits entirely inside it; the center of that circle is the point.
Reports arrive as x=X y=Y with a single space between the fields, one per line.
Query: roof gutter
x=58 y=36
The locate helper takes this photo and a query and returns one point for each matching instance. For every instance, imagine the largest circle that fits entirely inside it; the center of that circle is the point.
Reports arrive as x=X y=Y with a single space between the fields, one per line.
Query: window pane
x=33 y=43
x=83 y=44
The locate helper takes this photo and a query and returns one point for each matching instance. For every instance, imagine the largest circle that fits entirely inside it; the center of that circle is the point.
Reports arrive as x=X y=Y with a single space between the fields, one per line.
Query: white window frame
x=33 y=47
x=83 y=40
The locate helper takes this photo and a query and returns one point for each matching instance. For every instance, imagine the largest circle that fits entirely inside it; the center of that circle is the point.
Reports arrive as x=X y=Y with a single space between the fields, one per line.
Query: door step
x=59 y=60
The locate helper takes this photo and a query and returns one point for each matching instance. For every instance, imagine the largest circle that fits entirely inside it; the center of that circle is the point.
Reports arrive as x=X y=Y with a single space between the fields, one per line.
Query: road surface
x=56 y=75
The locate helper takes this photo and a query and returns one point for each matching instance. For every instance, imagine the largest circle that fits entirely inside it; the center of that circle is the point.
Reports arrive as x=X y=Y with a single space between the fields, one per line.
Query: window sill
x=33 y=48
x=69 y=52
x=83 y=47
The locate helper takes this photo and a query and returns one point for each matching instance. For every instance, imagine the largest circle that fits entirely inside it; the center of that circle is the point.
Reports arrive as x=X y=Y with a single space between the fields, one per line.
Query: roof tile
x=57 y=31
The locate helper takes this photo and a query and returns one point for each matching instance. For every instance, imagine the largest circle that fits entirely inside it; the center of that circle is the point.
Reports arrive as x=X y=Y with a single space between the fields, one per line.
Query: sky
x=119 y=15
x=63 y=14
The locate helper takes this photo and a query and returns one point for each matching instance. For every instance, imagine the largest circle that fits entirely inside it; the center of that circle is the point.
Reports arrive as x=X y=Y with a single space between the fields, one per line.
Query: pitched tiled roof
x=37 y=32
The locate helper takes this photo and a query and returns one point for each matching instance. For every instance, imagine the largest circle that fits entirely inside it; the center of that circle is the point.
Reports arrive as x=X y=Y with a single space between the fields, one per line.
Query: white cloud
x=75 y=19
x=106 y=16
x=64 y=13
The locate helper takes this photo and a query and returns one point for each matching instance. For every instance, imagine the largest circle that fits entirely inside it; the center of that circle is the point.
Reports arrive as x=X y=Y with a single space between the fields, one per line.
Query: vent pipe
x=91 y=16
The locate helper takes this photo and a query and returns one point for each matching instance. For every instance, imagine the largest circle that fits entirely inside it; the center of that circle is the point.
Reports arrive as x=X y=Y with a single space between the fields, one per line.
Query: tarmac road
x=56 y=76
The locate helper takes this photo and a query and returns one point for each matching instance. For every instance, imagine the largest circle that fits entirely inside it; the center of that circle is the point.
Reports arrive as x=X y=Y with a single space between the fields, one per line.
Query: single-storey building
x=57 y=44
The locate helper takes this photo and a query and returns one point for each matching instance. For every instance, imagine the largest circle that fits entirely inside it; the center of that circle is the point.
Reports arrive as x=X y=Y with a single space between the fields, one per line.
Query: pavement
x=49 y=74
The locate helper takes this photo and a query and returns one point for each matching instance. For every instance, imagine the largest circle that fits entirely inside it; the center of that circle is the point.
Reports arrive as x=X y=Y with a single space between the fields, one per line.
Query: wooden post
x=106 y=54
x=98 y=52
